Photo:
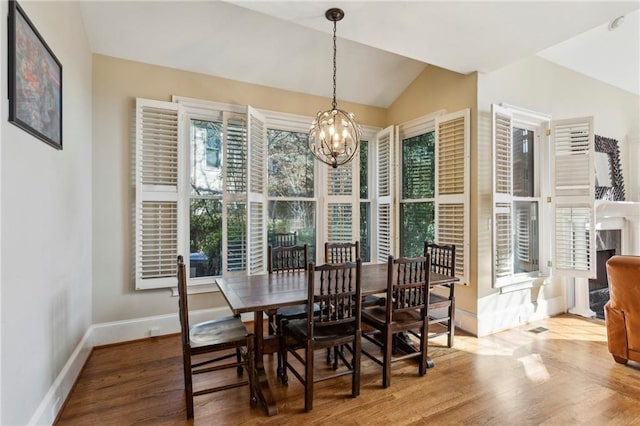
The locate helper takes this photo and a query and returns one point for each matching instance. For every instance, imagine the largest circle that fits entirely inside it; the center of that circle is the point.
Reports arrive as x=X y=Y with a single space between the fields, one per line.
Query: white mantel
x=622 y=215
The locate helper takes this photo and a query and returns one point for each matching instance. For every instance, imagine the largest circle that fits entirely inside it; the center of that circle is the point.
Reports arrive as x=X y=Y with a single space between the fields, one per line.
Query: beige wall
x=116 y=84
x=433 y=90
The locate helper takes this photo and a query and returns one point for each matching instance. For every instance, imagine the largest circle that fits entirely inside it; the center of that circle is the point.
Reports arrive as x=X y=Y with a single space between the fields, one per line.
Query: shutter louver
x=502 y=194
x=257 y=193
x=236 y=153
x=452 y=186
x=574 y=196
x=156 y=219
x=384 y=186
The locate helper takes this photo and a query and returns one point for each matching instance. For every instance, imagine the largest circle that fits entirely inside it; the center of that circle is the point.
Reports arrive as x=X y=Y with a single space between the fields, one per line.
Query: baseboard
x=495 y=321
x=105 y=334
x=50 y=406
x=466 y=321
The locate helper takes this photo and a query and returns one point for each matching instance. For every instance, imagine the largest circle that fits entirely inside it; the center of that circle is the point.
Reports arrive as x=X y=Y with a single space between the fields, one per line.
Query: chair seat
x=222 y=330
x=298 y=329
x=377 y=316
x=296 y=311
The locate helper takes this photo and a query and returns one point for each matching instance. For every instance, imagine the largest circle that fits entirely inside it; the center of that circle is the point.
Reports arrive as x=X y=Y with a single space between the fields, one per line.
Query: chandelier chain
x=334 y=66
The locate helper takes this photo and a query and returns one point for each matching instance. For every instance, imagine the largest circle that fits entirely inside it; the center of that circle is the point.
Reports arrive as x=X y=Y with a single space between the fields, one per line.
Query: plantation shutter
x=574 y=195
x=234 y=220
x=385 y=188
x=502 y=193
x=156 y=204
x=342 y=213
x=452 y=186
x=257 y=228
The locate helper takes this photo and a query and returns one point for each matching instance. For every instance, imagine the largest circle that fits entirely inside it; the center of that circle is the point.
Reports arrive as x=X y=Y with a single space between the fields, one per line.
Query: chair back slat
x=183 y=306
x=285 y=239
x=443 y=257
x=407 y=284
x=341 y=252
x=335 y=289
x=287 y=258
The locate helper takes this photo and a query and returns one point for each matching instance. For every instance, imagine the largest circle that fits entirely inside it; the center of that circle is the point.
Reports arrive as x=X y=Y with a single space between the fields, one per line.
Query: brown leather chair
x=622 y=311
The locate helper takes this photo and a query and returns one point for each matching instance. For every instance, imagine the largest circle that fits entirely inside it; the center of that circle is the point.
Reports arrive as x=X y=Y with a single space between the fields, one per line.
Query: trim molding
x=104 y=334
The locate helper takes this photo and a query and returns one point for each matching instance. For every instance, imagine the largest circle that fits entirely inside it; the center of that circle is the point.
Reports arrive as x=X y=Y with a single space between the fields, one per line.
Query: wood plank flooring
x=561 y=376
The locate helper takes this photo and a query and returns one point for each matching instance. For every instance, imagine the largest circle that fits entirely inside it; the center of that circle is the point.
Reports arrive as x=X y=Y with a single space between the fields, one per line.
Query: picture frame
x=35 y=80
x=613 y=190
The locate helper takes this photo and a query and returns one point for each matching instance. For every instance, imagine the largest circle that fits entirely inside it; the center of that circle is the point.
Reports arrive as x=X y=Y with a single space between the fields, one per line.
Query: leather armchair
x=622 y=311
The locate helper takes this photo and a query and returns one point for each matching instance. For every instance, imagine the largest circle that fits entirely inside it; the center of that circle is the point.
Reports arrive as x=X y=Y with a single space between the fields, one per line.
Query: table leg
x=264 y=392
x=405 y=344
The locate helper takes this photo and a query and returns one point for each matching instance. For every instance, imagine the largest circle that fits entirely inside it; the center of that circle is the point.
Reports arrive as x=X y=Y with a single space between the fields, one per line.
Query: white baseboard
x=50 y=406
x=105 y=334
x=466 y=321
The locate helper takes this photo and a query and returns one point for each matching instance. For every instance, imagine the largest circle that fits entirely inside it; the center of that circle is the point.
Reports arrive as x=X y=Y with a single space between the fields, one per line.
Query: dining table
x=264 y=292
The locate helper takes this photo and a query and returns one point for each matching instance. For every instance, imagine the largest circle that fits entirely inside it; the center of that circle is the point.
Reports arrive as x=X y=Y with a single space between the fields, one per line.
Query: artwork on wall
x=35 y=80
x=609 y=182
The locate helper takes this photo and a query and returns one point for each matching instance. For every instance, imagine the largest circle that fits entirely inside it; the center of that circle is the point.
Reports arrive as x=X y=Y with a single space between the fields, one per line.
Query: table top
x=269 y=291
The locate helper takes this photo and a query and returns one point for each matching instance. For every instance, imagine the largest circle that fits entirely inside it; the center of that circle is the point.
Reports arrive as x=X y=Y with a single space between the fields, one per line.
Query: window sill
x=197 y=289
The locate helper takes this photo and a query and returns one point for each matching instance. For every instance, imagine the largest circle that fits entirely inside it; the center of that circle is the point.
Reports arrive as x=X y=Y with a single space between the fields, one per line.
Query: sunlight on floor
x=534 y=368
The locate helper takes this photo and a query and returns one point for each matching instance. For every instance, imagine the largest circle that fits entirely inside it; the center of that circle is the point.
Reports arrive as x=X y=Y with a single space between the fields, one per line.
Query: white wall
x=539 y=85
x=45 y=228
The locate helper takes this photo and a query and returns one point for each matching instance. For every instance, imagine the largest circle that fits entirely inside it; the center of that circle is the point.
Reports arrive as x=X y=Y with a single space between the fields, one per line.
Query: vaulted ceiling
x=382 y=45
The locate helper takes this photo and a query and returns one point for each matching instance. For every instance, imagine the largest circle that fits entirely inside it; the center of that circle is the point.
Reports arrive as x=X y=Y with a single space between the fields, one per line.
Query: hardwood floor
x=560 y=376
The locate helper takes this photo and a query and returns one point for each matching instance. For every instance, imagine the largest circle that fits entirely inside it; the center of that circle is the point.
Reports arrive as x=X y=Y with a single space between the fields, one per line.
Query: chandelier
x=334 y=134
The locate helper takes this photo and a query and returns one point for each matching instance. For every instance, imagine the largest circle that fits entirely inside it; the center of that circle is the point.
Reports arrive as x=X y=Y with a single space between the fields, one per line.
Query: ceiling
x=382 y=45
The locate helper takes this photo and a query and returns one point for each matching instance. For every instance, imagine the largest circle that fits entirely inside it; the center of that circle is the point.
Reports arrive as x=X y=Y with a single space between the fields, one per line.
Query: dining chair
x=442 y=304
x=285 y=260
x=285 y=239
x=406 y=311
x=223 y=334
x=339 y=252
x=336 y=290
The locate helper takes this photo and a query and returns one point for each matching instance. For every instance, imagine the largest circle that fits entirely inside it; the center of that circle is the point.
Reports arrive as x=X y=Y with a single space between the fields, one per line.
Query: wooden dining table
x=260 y=293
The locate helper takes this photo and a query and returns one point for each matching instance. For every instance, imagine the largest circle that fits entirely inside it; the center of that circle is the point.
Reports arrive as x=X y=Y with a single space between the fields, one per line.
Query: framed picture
x=35 y=80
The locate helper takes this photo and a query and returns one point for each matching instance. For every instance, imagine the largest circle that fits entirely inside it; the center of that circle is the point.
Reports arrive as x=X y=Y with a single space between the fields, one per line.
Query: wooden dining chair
x=209 y=337
x=336 y=290
x=442 y=304
x=406 y=311
x=285 y=239
x=286 y=260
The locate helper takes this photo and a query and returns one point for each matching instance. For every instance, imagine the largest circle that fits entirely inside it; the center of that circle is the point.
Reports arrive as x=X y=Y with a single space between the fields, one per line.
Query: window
x=519 y=180
x=292 y=206
x=417 y=198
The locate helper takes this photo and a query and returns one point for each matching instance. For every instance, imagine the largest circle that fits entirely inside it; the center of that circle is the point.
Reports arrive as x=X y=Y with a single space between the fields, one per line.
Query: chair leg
x=308 y=378
x=357 y=352
x=188 y=384
x=386 y=358
x=424 y=345
x=452 y=324
x=328 y=355
x=239 y=359
x=282 y=357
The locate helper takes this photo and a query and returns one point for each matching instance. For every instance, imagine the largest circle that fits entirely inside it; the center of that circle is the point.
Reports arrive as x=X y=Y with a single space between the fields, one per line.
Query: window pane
x=236 y=236
x=205 y=238
x=206 y=157
x=417 y=226
x=290 y=164
x=364 y=169
x=523 y=176
x=294 y=216
x=418 y=166
x=365 y=231
x=526 y=237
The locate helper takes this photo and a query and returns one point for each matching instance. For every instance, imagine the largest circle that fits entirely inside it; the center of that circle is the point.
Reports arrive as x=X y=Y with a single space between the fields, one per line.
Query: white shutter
x=257 y=229
x=385 y=189
x=502 y=193
x=342 y=214
x=574 y=197
x=156 y=180
x=234 y=219
x=452 y=186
